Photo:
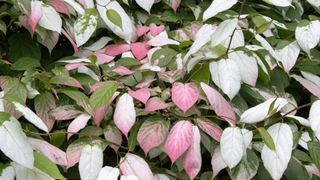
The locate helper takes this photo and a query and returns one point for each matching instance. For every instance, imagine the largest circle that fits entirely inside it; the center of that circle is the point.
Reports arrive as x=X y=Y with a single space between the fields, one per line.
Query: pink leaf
x=134 y=165
x=71 y=40
x=125 y=114
x=122 y=71
x=112 y=134
x=219 y=104
x=152 y=133
x=67 y=81
x=101 y=112
x=73 y=153
x=103 y=58
x=154 y=104
x=210 y=128
x=314 y=89
x=312 y=169
x=179 y=139
x=145 y=84
x=141 y=94
x=35 y=14
x=53 y=153
x=140 y=50
x=73 y=66
x=155 y=30
x=77 y=124
x=175 y=4
x=184 y=95
x=64 y=113
x=192 y=158
x=142 y=30
x=60 y=6
x=117 y=49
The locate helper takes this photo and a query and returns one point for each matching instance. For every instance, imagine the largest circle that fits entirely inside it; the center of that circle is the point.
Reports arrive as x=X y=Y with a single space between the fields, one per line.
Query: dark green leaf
x=102 y=95
x=267 y=139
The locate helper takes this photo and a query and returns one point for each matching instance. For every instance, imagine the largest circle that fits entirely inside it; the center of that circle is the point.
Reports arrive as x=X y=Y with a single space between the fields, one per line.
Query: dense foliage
x=159 y=89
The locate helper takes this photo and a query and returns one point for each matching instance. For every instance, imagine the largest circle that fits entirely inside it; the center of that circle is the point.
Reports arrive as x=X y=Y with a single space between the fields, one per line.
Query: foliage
x=159 y=89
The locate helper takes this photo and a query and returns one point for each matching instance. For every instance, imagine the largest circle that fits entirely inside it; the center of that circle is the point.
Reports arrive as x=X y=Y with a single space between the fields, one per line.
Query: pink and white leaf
x=35 y=14
x=134 y=165
x=162 y=39
x=179 y=139
x=60 y=6
x=78 y=123
x=142 y=30
x=112 y=134
x=192 y=158
x=101 y=112
x=217 y=162
x=152 y=134
x=175 y=4
x=154 y=104
x=117 y=49
x=155 y=30
x=139 y=50
x=312 y=169
x=53 y=153
x=219 y=104
x=184 y=95
x=122 y=71
x=64 y=113
x=73 y=66
x=103 y=58
x=210 y=128
x=125 y=114
x=141 y=94
x=145 y=84
x=311 y=87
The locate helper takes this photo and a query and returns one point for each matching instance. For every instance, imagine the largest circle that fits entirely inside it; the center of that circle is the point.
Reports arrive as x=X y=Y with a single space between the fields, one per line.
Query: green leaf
x=22 y=45
x=267 y=139
x=127 y=62
x=25 y=63
x=80 y=98
x=102 y=95
x=296 y=170
x=132 y=141
x=3 y=27
x=164 y=56
x=263 y=27
x=58 y=137
x=114 y=17
x=4 y=117
x=201 y=73
x=314 y=150
x=44 y=164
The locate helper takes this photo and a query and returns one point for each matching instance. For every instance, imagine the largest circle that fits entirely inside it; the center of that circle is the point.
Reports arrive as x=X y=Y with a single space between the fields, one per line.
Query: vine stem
x=232 y=35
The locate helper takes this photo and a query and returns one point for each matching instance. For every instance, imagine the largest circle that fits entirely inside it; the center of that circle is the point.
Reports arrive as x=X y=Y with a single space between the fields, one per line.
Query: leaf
x=7 y=173
x=247 y=65
x=314 y=150
x=141 y=94
x=91 y=161
x=145 y=4
x=53 y=153
x=262 y=111
x=152 y=133
x=216 y=7
x=64 y=113
x=276 y=162
x=103 y=95
x=14 y=143
x=225 y=73
x=140 y=50
x=311 y=87
x=85 y=26
x=3 y=27
x=314 y=115
x=28 y=173
x=50 y=19
x=296 y=170
x=112 y=134
x=66 y=80
x=162 y=39
x=134 y=165
x=224 y=30
x=108 y=172
x=80 y=98
x=125 y=114
x=280 y=3
x=78 y=123
x=247 y=168
x=42 y=105
x=308 y=36
x=288 y=56
x=192 y=158
x=45 y=165
x=154 y=104
x=132 y=140
x=35 y=14
x=114 y=17
x=267 y=139
x=220 y=106
x=217 y=162
x=232 y=146
x=179 y=140
x=31 y=116
x=184 y=95
x=213 y=130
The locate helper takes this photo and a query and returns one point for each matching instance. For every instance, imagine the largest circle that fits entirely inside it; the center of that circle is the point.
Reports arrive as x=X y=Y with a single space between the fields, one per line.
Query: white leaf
x=225 y=74
x=247 y=138
x=85 y=26
x=301 y=120
x=276 y=162
x=304 y=139
x=248 y=67
x=1 y=101
x=99 y=44
x=237 y=40
x=145 y=4
x=261 y=111
x=217 y=162
x=280 y=3
x=315 y=3
x=232 y=146
x=218 y=6
x=288 y=55
x=308 y=36
x=7 y=173
x=160 y=177
x=265 y=44
x=90 y=163
x=14 y=143
x=76 y=6
x=202 y=37
x=129 y=177
x=314 y=118
x=109 y=173
x=223 y=31
x=127 y=32
x=31 y=116
x=311 y=77
x=50 y=19
x=89 y=72
x=23 y=173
